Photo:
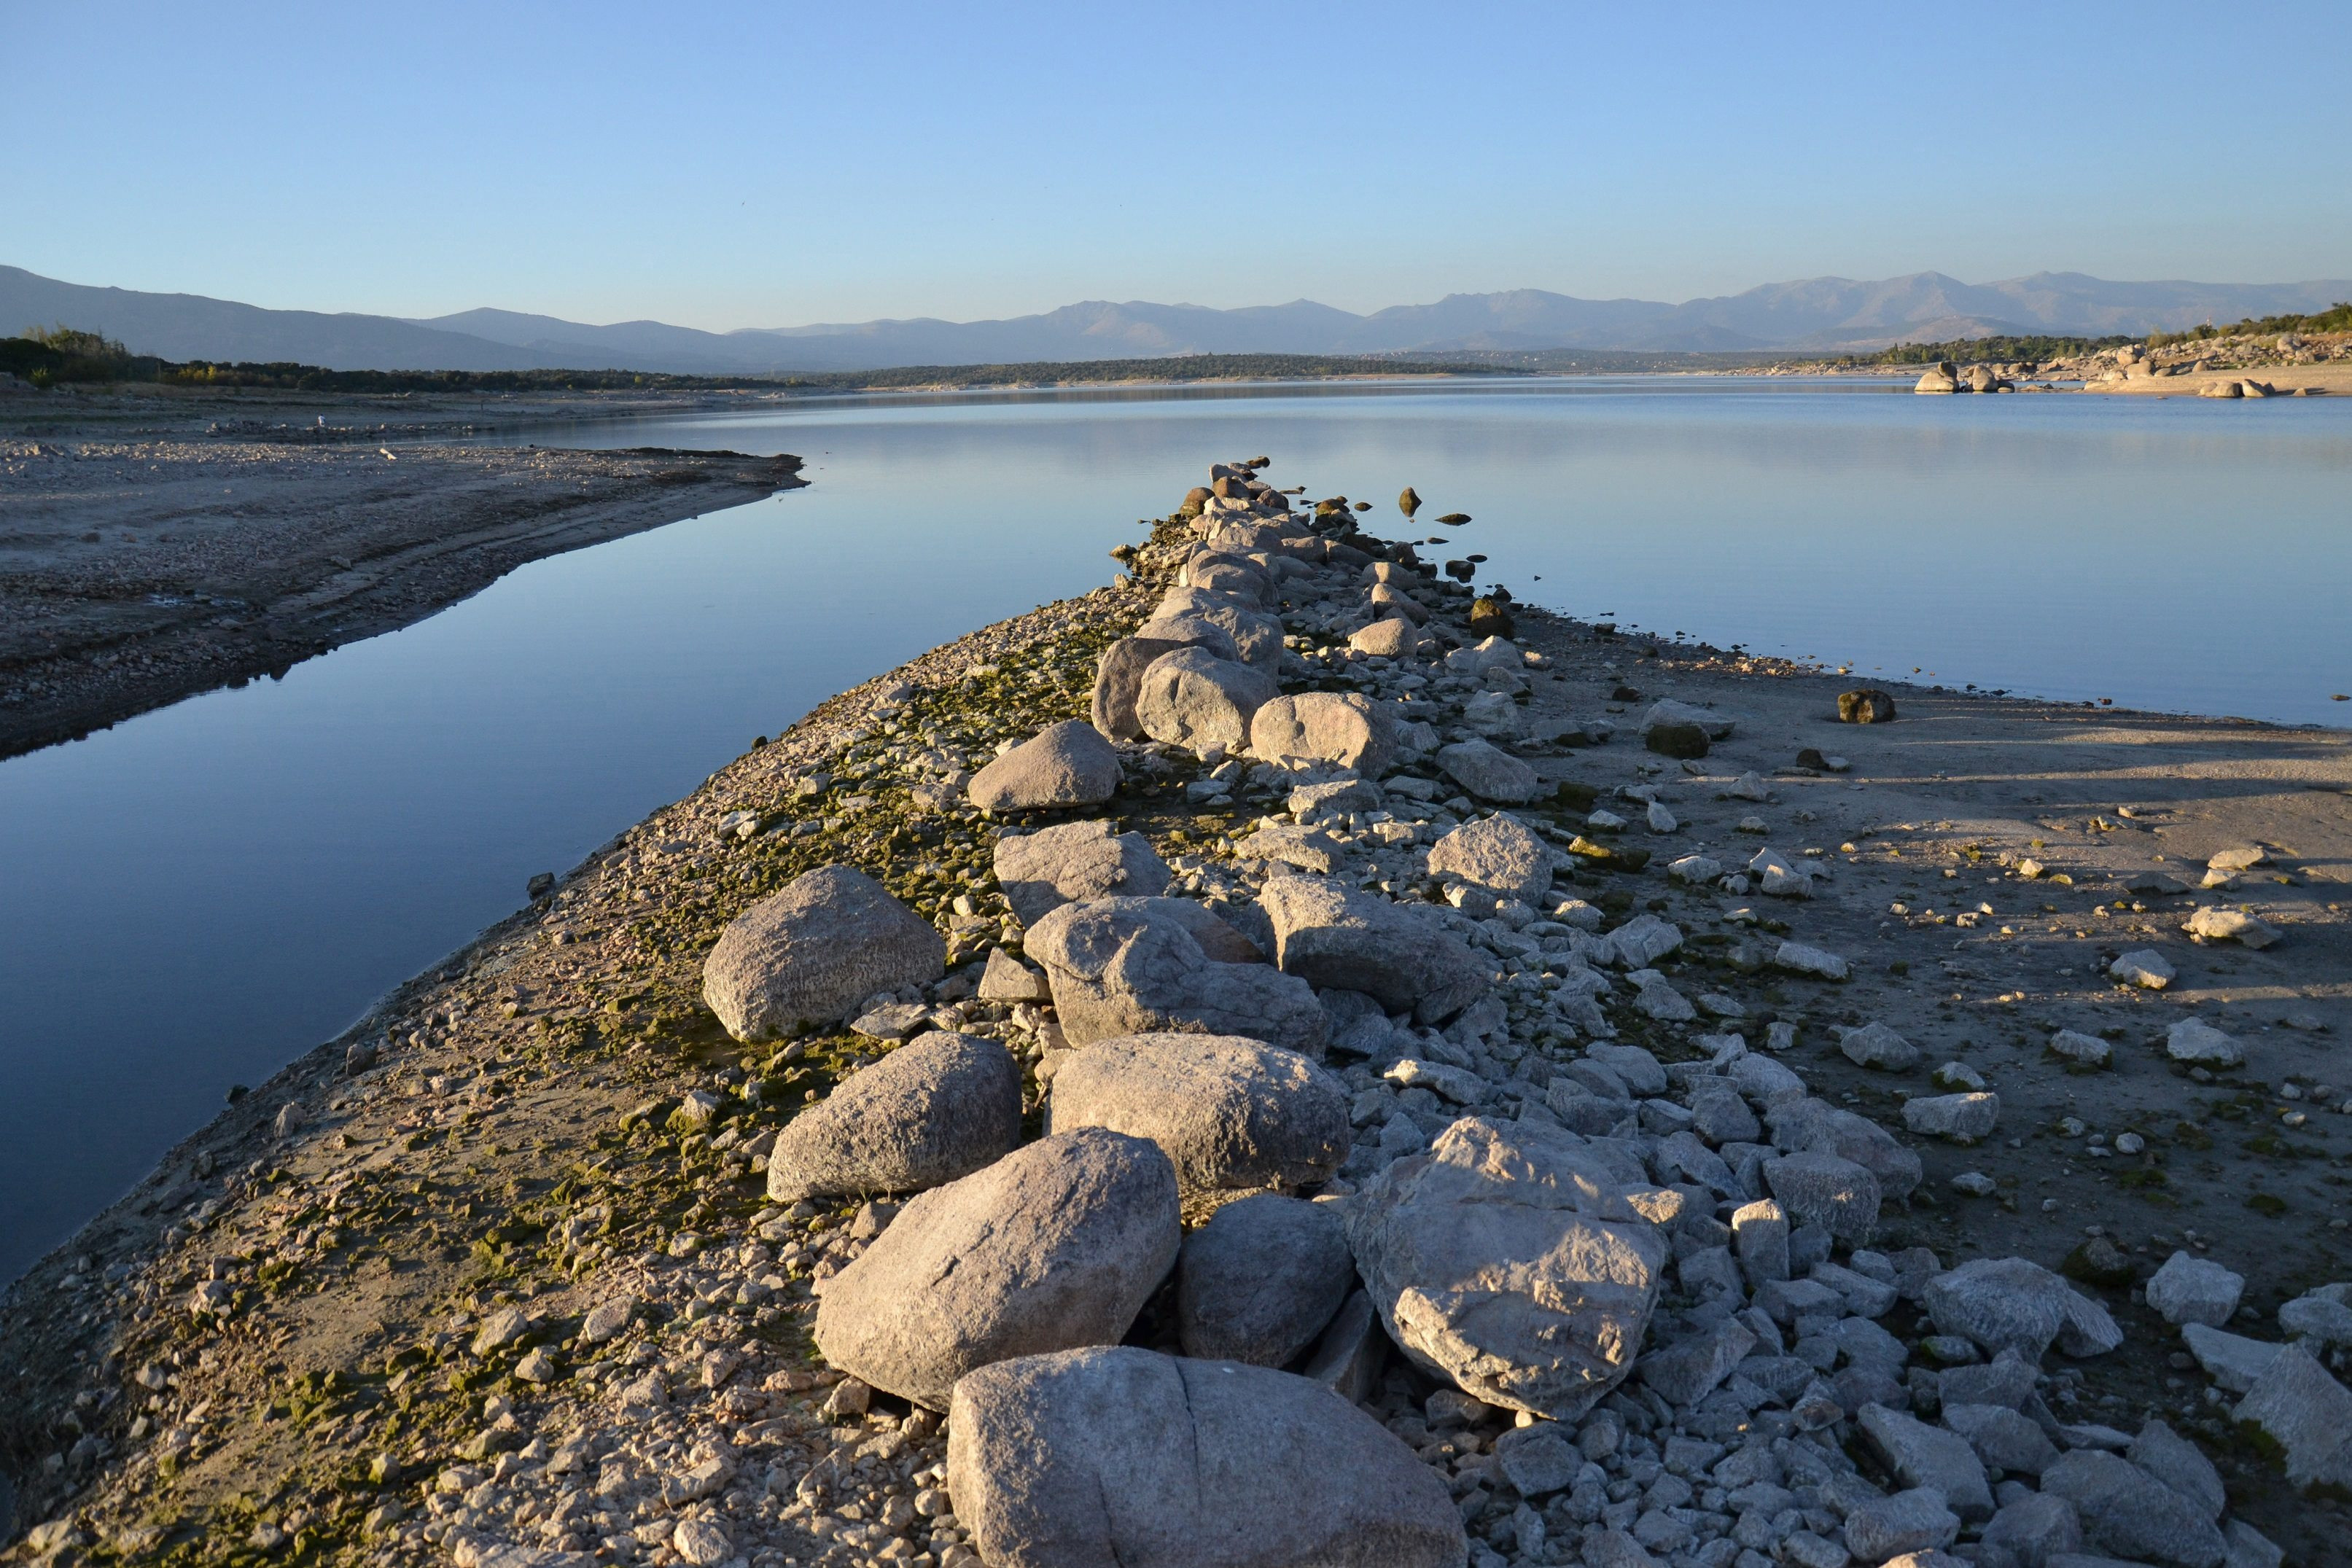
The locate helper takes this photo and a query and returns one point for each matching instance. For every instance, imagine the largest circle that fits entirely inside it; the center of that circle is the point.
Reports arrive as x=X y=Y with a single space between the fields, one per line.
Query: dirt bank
x=157 y=547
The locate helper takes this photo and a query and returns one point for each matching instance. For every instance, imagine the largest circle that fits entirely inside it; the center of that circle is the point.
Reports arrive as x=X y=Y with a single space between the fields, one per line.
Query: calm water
x=191 y=899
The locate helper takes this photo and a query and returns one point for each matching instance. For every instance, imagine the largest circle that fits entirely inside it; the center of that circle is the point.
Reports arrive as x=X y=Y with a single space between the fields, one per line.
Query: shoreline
x=513 y=1126
x=155 y=555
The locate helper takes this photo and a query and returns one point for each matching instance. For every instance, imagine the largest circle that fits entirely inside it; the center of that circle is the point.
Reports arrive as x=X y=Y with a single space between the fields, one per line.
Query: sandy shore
x=273 y=1338
x=154 y=546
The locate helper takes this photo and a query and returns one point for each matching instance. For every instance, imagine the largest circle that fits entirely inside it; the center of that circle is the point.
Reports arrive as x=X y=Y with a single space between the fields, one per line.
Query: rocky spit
x=1198 y=1074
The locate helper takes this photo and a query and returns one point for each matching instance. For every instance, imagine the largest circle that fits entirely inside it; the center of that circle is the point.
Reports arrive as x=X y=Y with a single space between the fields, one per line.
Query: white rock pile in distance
x=1635 y=1311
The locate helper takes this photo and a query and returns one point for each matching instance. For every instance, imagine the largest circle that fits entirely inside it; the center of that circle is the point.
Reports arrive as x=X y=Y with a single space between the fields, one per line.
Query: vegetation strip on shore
x=495 y=1278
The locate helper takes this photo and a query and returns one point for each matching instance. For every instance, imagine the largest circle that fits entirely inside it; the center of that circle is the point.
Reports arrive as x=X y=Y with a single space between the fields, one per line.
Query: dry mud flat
x=1918 y=1217
x=164 y=547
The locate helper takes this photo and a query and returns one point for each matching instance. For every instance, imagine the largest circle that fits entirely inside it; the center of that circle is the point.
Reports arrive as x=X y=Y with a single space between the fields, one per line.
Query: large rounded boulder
x=1233 y=1113
x=806 y=956
x=1191 y=697
x=1065 y=764
x=1126 y=1456
x=1144 y=966
x=1326 y=726
x=1261 y=1278
x=1055 y=1246
x=938 y=1108
x=1040 y=871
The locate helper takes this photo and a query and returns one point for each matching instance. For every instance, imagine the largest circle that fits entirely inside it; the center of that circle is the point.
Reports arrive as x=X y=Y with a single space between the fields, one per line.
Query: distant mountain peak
x=1805 y=314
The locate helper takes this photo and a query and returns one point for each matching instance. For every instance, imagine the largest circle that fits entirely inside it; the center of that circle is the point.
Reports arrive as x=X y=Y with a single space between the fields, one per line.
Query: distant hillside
x=1815 y=315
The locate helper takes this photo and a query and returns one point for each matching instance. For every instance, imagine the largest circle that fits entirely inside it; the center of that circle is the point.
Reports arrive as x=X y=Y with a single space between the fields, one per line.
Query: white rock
x=1820 y=962
x=2145 y=968
x=1964 y=1118
x=2193 y=1290
x=2196 y=1041
x=2231 y=1361
x=2087 y=1049
x=2217 y=924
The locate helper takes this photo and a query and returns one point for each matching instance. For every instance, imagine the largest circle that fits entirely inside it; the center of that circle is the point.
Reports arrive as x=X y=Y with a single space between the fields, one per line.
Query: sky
x=727 y=166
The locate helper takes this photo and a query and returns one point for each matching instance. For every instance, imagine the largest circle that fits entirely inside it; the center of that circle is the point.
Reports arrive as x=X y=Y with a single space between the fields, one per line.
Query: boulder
x=1336 y=937
x=1256 y=637
x=1007 y=979
x=806 y=956
x=2306 y=1413
x=2002 y=1437
x=1488 y=772
x=2145 y=968
x=1055 y=1246
x=1684 y=742
x=1876 y=1045
x=1391 y=637
x=1667 y=711
x=2180 y=1465
x=1882 y=1528
x=1074 y=861
x=2217 y=924
x=1835 y=1193
x=1138 y=966
x=1349 y=1356
x=1919 y=1455
x=1261 y=1279
x=2232 y=1360
x=2034 y=1528
x=2127 y=1511
x=1232 y=1114
x=1328 y=726
x=1938 y=378
x=1520 y=1262
x=1387 y=599
x=2012 y=1303
x=932 y=1111
x=1865 y=704
x=1126 y=1456
x=2087 y=1049
x=1119 y=677
x=2193 y=1290
x=1191 y=697
x=1065 y=764
x=2199 y=1043
x=1963 y=1118
x=1499 y=854
x=1804 y=1125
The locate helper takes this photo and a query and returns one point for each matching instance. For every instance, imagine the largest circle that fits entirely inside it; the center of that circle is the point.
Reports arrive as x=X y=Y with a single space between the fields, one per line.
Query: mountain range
x=1813 y=315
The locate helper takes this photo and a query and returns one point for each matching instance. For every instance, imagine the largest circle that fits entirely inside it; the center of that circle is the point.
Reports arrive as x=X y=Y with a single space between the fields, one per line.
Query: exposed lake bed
x=521 y=1085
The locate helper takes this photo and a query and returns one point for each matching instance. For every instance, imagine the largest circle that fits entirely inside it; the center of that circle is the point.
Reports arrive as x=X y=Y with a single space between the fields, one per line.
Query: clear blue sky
x=725 y=165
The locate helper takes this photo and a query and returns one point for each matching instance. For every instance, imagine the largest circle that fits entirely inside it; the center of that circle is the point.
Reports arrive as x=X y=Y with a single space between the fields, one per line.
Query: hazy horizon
x=750 y=169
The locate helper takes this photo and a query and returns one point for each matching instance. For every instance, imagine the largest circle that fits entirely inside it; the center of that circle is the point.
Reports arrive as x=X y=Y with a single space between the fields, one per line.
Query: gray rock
x=2035 y=1529
x=2249 y=1548
x=929 y=1113
x=1139 y=966
x=2199 y=1043
x=1639 y=1072
x=1488 y=772
x=1876 y=1045
x=1351 y=1352
x=1233 y=1113
x=1537 y=1460
x=1125 y=1455
x=1917 y=1520
x=808 y=955
x=1718 y=726
x=1520 y=1262
x=2007 y=1380
x=2305 y=1412
x=1919 y=1455
x=1261 y=1279
x=2089 y=1049
x=1330 y=727
x=2002 y=1437
x=2146 y=968
x=1836 y=1193
x=2180 y=1465
x=1119 y=677
x=1392 y=637
x=1191 y=697
x=2231 y=1361
x=2010 y=1303
x=1335 y=937
x=1054 y=1246
x=2318 y=1314
x=1963 y=1118
x=1760 y=1234
x=1065 y=764
x=1642 y=941
x=1815 y=1126
x=2125 y=1510
x=1074 y=862
x=2193 y=1290
x=1257 y=636
x=1007 y=979
x=1499 y=854
x=1691 y=1368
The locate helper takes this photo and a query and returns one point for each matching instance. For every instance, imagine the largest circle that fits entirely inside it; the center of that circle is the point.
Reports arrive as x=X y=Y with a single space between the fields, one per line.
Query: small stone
x=607 y=1319
x=1963 y=1118
x=2089 y=1049
x=1865 y=704
x=1819 y=962
x=2145 y=968
x=1919 y=1455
